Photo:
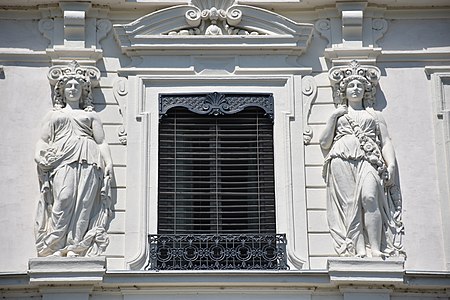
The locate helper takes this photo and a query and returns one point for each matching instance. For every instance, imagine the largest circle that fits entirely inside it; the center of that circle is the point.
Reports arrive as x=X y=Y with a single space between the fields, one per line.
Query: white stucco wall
x=25 y=100
x=404 y=96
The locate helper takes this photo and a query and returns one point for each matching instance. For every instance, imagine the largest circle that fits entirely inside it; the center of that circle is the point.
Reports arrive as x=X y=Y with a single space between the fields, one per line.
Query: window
x=216 y=181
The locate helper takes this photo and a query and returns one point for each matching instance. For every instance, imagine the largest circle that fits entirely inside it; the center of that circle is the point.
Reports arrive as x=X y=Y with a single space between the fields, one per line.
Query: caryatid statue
x=364 y=205
x=75 y=168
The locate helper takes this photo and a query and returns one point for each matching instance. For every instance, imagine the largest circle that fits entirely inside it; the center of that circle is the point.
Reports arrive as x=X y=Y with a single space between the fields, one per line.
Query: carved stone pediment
x=213 y=25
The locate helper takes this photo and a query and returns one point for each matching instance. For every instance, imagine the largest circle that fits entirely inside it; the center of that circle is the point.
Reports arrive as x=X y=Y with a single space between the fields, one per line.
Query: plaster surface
x=414 y=38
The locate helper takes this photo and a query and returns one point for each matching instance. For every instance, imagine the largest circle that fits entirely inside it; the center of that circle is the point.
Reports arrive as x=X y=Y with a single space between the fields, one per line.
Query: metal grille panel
x=217 y=252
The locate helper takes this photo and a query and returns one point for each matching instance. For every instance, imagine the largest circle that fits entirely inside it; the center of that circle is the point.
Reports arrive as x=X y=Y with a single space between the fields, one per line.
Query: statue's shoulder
x=377 y=115
x=49 y=115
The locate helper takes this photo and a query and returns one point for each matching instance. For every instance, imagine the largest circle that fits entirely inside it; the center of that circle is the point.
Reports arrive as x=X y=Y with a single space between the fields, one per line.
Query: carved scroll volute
x=323 y=27
x=309 y=91
x=120 y=89
x=379 y=28
x=56 y=72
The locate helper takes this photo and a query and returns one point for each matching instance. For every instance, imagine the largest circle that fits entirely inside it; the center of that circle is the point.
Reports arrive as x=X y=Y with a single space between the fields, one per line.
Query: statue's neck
x=355 y=105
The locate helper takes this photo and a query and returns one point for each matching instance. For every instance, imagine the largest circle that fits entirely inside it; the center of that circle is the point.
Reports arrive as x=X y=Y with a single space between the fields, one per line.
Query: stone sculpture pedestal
x=54 y=274
x=366 y=278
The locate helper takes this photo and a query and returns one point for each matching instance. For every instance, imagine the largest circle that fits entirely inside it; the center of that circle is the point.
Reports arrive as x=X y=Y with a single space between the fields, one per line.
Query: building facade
x=214 y=113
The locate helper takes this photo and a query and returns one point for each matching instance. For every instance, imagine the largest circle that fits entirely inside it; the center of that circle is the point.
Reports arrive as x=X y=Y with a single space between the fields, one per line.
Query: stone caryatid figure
x=74 y=167
x=364 y=205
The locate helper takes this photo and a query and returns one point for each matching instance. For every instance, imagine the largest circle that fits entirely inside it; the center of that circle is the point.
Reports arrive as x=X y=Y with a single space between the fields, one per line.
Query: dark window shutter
x=216 y=173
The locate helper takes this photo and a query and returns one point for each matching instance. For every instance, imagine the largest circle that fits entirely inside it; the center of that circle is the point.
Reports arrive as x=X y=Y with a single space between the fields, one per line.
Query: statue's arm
x=99 y=137
x=387 y=149
x=42 y=143
x=326 y=139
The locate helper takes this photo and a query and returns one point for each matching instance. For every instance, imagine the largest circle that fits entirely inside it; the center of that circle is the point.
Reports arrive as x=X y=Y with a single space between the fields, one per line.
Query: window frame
x=142 y=154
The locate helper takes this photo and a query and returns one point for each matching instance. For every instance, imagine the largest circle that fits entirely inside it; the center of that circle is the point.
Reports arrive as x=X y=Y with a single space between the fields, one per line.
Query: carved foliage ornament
x=213 y=21
x=216 y=103
x=341 y=76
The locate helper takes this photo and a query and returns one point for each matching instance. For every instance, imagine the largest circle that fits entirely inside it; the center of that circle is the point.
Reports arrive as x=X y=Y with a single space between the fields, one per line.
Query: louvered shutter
x=216 y=173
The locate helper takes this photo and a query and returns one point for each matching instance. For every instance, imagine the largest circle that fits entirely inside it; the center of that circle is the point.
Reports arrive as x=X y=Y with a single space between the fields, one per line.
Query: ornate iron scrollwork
x=217 y=252
x=216 y=103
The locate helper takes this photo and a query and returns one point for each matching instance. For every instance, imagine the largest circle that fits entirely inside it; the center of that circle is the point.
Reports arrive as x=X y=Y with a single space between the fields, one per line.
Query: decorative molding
x=309 y=91
x=343 y=56
x=60 y=270
x=323 y=27
x=352 y=270
x=104 y=26
x=74 y=33
x=46 y=27
x=379 y=28
x=352 y=23
x=440 y=92
x=120 y=90
x=361 y=27
x=216 y=103
x=142 y=170
x=74 y=18
x=214 y=21
x=430 y=70
x=237 y=27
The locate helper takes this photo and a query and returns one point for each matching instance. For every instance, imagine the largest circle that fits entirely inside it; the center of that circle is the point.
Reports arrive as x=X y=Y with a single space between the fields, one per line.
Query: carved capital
x=56 y=73
x=342 y=75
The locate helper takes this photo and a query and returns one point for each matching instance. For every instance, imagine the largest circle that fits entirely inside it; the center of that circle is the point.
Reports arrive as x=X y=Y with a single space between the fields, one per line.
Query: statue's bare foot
x=57 y=254
x=70 y=253
x=376 y=253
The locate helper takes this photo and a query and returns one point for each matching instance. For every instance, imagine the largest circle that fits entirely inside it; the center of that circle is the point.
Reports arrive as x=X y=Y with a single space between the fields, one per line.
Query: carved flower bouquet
x=371 y=149
x=49 y=157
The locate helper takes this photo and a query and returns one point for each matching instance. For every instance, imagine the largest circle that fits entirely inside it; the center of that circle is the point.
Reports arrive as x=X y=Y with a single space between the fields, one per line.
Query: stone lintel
x=366 y=270
x=343 y=56
x=77 y=270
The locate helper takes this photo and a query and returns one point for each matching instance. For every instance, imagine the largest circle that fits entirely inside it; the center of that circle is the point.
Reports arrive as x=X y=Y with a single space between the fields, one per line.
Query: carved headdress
x=342 y=75
x=87 y=76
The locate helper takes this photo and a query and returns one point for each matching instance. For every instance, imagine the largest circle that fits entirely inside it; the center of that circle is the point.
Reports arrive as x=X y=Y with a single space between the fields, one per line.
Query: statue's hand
x=389 y=181
x=109 y=170
x=340 y=111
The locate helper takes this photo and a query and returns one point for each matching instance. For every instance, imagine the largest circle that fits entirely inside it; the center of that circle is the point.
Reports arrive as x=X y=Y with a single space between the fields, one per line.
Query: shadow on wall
x=415 y=34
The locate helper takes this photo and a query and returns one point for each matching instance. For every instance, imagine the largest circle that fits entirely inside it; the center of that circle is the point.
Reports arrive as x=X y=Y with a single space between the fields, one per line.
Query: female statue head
x=65 y=89
x=366 y=77
x=73 y=83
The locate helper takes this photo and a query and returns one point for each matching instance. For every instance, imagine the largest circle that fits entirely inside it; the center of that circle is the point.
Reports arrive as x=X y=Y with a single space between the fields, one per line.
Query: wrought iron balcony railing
x=217 y=252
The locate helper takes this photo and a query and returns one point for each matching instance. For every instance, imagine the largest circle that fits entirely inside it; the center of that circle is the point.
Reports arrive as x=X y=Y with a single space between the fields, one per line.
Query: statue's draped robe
x=348 y=176
x=70 y=214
